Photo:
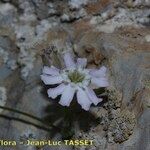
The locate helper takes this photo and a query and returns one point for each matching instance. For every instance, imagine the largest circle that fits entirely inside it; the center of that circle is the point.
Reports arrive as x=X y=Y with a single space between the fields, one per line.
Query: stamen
x=76 y=76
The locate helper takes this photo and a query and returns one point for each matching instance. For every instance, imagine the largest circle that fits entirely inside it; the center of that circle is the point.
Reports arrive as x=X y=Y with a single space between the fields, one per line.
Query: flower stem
x=27 y=114
x=26 y=122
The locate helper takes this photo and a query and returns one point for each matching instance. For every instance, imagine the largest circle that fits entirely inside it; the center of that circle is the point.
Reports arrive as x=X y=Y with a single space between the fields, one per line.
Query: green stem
x=20 y=112
x=27 y=114
x=24 y=121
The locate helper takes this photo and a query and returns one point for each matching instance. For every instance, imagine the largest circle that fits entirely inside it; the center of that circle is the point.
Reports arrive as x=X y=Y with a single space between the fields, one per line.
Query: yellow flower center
x=76 y=76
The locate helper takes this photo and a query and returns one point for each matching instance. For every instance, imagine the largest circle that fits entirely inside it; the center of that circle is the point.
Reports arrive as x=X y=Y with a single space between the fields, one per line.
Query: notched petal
x=50 y=70
x=67 y=96
x=83 y=99
x=81 y=62
x=92 y=96
x=48 y=80
x=99 y=72
x=54 y=92
x=69 y=62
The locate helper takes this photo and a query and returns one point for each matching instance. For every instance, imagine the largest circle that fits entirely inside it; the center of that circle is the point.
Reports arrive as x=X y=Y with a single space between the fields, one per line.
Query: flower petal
x=50 y=70
x=69 y=62
x=100 y=82
x=83 y=99
x=48 y=80
x=81 y=62
x=67 y=96
x=99 y=73
x=92 y=96
x=54 y=92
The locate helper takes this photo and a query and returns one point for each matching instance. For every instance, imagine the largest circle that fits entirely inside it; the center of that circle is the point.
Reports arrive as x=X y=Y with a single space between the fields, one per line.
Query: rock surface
x=116 y=34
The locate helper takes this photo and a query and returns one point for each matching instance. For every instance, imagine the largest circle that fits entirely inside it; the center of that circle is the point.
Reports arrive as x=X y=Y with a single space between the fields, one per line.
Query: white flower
x=75 y=78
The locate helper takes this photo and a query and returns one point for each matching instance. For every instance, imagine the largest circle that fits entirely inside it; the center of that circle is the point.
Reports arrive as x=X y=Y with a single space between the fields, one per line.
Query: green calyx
x=76 y=76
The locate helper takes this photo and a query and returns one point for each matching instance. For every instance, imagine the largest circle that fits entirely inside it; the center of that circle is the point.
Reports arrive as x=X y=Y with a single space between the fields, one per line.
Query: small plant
x=75 y=79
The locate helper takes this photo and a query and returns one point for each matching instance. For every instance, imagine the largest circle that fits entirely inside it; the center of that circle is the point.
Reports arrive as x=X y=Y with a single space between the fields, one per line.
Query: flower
x=75 y=79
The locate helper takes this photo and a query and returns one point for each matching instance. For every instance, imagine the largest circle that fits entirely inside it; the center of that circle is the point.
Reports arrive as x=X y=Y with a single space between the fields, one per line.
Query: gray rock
x=114 y=34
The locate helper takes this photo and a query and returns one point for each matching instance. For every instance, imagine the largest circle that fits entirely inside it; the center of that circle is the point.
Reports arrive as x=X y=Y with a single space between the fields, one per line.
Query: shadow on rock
x=70 y=119
x=65 y=118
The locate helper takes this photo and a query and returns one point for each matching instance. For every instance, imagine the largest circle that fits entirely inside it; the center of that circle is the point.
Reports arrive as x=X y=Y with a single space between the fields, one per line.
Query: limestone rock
x=115 y=34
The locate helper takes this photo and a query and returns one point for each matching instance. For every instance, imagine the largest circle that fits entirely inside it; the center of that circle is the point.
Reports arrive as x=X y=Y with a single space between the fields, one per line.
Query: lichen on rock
x=106 y=32
x=3 y=97
x=120 y=122
x=121 y=127
x=3 y=56
x=114 y=98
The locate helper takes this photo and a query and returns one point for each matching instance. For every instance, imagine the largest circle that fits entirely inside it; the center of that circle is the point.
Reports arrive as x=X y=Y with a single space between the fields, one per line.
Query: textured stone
x=34 y=33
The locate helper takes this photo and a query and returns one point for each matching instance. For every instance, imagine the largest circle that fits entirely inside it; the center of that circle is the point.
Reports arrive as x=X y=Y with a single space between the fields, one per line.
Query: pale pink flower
x=75 y=79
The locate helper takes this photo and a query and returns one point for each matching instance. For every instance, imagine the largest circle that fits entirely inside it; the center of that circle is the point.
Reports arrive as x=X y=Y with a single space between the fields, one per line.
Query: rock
x=8 y=52
x=41 y=8
x=115 y=34
x=8 y=14
x=98 y=7
x=3 y=97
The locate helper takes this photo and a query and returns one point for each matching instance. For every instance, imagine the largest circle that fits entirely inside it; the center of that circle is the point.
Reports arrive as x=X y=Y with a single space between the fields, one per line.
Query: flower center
x=76 y=76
